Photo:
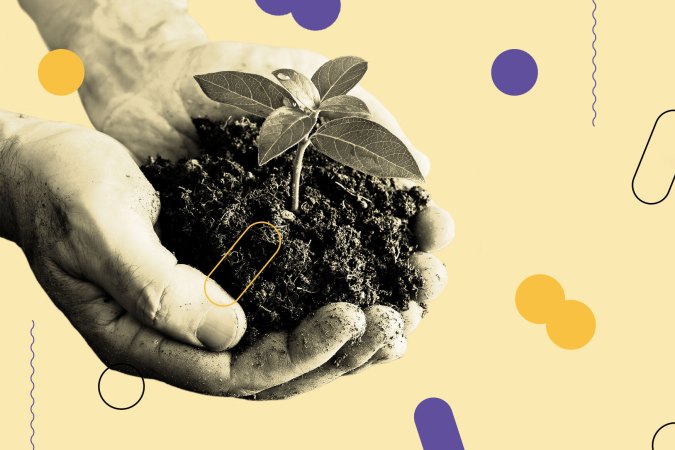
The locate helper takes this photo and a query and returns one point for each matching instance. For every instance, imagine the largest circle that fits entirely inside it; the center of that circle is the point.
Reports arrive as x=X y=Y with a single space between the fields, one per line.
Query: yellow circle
x=572 y=326
x=61 y=72
x=538 y=297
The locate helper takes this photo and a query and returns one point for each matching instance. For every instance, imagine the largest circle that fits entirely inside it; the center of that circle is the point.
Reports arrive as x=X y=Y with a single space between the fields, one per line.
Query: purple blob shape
x=316 y=15
x=514 y=72
x=276 y=7
x=436 y=426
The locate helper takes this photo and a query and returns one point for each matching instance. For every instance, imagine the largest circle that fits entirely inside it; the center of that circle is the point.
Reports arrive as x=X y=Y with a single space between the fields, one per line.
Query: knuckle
x=356 y=323
x=151 y=305
x=393 y=350
x=385 y=321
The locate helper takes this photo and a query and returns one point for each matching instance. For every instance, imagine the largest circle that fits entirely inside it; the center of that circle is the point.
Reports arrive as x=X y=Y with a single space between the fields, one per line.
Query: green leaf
x=282 y=130
x=300 y=87
x=367 y=147
x=339 y=76
x=254 y=94
x=344 y=106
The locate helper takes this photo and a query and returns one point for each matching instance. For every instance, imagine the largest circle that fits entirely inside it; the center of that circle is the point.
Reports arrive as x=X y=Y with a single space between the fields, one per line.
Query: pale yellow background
x=533 y=188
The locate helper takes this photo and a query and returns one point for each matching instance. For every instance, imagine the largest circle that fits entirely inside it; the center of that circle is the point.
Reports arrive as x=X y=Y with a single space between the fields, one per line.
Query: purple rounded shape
x=436 y=425
x=514 y=72
x=316 y=15
x=276 y=7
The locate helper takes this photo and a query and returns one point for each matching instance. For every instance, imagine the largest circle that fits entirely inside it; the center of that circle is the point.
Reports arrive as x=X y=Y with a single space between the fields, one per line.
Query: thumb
x=144 y=277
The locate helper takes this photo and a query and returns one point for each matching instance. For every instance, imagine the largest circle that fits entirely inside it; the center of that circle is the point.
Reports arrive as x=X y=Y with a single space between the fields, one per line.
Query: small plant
x=292 y=111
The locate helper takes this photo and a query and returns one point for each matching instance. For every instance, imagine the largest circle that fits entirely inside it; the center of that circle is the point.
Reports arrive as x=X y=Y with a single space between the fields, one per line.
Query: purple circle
x=514 y=72
x=316 y=15
x=276 y=7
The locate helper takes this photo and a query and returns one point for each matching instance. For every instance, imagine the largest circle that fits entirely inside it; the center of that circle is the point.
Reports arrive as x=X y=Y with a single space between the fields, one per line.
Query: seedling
x=292 y=110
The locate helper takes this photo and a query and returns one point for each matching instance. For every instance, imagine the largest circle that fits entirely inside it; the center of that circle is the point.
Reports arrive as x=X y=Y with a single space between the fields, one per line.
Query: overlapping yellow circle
x=541 y=299
x=538 y=297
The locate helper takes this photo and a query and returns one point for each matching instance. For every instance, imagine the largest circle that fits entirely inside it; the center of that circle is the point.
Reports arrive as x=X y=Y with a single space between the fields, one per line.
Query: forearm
x=24 y=187
x=116 y=39
x=11 y=125
x=121 y=23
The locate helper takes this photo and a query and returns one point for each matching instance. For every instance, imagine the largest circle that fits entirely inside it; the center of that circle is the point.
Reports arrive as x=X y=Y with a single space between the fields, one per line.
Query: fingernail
x=219 y=329
x=434 y=228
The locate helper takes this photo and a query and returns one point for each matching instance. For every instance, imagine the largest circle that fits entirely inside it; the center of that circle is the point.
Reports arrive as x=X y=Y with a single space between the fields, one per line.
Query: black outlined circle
x=657 y=432
x=133 y=369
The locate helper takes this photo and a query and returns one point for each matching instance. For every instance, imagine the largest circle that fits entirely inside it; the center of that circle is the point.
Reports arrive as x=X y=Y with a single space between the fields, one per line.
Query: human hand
x=151 y=112
x=433 y=227
x=83 y=213
x=177 y=98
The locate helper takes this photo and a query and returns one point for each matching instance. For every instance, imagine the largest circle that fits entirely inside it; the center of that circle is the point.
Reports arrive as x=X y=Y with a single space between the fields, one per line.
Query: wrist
x=22 y=182
x=63 y=22
x=119 y=41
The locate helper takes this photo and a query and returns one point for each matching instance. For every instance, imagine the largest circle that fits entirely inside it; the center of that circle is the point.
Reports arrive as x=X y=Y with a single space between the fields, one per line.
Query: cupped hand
x=84 y=214
x=140 y=59
x=155 y=117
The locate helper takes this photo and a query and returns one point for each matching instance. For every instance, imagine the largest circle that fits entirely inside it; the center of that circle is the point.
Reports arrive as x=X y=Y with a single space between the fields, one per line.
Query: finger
x=146 y=280
x=433 y=227
x=384 y=327
x=434 y=276
x=412 y=317
x=279 y=357
x=391 y=352
x=118 y=338
x=143 y=127
x=388 y=353
x=381 y=115
x=120 y=251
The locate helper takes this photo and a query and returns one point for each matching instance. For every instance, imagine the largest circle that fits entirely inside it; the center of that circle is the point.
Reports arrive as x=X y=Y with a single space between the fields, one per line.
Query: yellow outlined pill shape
x=208 y=277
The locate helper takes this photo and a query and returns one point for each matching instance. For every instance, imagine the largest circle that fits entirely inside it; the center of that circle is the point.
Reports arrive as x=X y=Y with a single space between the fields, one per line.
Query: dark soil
x=350 y=241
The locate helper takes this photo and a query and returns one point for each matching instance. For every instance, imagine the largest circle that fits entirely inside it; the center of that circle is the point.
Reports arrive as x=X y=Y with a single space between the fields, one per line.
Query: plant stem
x=297 y=172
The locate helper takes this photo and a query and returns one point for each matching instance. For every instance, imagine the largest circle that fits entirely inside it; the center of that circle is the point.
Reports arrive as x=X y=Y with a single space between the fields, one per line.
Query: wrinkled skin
x=89 y=237
x=150 y=111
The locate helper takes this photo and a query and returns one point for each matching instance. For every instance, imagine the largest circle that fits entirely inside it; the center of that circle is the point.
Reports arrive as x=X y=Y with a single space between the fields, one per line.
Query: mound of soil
x=349 y=242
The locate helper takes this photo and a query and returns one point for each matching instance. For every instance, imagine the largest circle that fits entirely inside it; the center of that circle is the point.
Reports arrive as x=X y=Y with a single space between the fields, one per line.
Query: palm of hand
x=96 y=255
x=157 y=119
